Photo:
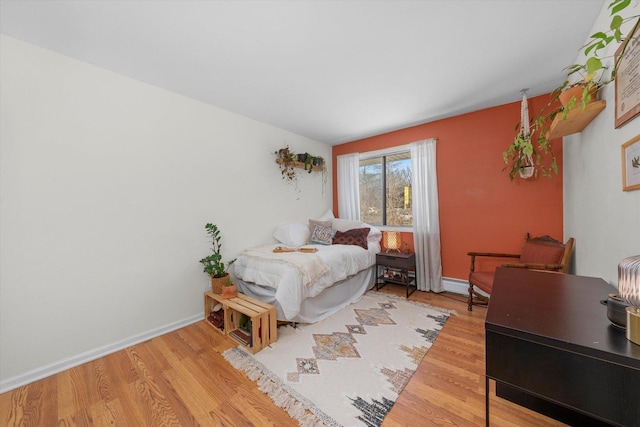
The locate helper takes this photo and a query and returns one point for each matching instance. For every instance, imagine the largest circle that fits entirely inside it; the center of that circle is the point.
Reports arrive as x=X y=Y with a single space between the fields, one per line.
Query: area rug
x=348 y=369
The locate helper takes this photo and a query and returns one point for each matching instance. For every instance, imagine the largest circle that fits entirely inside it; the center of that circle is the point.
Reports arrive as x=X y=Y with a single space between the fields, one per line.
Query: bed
x=335 y=269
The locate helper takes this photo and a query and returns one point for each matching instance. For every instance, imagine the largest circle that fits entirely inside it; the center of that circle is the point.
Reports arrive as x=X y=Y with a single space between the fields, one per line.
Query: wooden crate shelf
x=263 y=319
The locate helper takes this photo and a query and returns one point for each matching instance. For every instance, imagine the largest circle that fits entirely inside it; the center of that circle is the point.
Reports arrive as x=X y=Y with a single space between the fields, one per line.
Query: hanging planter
x=527 y=172
x=519 y=155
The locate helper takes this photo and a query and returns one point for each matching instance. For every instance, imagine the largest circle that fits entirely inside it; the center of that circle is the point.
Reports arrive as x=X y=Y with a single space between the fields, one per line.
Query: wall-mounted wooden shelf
x=576 y=120
x=301 y=165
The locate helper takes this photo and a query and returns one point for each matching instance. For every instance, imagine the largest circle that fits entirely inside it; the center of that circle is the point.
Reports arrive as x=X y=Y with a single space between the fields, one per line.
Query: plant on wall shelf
x=289 y=161
x=308 y=162
x=286 y=160
x=592 y=75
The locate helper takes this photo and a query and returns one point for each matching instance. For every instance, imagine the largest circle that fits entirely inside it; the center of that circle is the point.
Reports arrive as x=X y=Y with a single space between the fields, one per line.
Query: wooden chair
x=540 y=253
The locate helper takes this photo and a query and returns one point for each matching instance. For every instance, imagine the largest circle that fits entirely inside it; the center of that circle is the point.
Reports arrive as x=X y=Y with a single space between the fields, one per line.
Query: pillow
x=292 y=234
x=314 y=222
x=356 y=236
x=327 y=216
x=375 y=235
x=321 y=235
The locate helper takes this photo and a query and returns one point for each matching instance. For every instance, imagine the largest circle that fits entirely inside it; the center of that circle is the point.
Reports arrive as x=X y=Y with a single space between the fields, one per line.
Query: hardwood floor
x=181 y=379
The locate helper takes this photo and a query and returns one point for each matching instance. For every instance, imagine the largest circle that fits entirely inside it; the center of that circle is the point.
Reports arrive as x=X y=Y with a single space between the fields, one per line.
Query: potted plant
x=229 y=289
x=286 y=160
x=580 y=88
x=308 y=162
x=524 y=158
x=213 y=264
x=318 y=161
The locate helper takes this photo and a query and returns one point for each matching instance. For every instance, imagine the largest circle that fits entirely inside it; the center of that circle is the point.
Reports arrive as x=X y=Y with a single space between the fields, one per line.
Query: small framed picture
x=631 y=164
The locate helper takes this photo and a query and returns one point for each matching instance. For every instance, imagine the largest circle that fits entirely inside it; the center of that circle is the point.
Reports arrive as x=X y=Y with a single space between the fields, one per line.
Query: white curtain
x=349 y=186
x=426 y=220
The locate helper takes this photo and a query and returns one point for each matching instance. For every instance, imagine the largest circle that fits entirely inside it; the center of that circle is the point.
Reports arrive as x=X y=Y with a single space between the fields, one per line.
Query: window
x=385 y=189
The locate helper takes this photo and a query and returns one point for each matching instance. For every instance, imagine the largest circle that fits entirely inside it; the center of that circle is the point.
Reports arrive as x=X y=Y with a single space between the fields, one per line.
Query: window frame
x=388 y=152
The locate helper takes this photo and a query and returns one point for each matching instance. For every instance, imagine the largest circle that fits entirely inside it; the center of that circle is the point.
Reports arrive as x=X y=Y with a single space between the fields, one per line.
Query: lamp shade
x=391 y=240
x=629 y=280
x=629 y=290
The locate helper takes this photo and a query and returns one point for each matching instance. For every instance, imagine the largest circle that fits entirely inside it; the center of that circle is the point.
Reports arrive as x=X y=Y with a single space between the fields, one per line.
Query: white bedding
x=280 y=271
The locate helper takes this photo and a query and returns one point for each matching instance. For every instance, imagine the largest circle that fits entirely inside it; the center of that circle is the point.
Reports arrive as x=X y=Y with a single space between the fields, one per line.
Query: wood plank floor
x=181 y=379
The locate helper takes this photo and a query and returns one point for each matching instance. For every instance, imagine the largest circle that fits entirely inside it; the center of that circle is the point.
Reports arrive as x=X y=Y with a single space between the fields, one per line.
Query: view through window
x=385 y=190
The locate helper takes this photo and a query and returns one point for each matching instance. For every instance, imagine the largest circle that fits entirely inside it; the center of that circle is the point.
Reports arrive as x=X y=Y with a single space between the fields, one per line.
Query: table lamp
x=391 y=240
x=629 y=290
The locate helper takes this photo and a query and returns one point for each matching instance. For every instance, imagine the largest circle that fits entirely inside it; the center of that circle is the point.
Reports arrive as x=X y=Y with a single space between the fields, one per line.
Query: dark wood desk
x=547 y=335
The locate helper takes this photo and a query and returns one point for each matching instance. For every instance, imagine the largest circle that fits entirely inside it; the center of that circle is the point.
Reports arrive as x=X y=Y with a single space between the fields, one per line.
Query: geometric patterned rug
x=348 y=369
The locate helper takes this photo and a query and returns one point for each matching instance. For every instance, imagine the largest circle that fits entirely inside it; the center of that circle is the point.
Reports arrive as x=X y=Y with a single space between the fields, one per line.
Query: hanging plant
x=286 y=161
x=591 y=75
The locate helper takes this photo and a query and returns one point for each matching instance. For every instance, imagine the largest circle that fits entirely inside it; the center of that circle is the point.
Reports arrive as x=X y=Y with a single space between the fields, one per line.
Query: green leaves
x=213 y=264
x=617 y=5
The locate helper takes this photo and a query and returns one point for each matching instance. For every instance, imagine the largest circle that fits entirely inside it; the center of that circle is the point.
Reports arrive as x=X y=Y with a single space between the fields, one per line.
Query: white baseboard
x=54 y=368
x=455 y=286
x=458 y=286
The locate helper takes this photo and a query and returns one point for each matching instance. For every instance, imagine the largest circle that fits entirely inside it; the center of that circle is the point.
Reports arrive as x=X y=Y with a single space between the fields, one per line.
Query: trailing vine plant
x=592 y=75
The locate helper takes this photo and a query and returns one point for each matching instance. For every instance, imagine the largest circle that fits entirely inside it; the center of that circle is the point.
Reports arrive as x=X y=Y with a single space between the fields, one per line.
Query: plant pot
x=576 y=91
x=317 y=161
x=302 y=158
x=218 y=282
x=526 y=172
x=229 y=292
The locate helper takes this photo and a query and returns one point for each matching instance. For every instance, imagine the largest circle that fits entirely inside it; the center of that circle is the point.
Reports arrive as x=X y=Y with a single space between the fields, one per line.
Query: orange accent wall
x=480 y=208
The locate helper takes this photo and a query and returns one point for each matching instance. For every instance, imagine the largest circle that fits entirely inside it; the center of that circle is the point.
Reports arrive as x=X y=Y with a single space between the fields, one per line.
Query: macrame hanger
x=524 y=114
x=525 y=130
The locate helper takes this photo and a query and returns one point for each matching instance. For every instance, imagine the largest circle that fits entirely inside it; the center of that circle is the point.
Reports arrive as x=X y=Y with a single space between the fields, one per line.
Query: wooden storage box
x=263 y=329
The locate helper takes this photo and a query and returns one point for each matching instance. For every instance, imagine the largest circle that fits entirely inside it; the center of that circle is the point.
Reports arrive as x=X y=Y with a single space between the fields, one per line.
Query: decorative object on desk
x=349 y=368
x=629 y=288
x=391 y=240
x=616 y=310
x=213 y=264
x=631 y=164
x=229 y=290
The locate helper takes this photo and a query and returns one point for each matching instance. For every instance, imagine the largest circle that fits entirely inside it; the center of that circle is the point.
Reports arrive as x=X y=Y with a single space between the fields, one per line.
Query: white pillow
x=293 y=234
x=328 y=216
x=375 y=235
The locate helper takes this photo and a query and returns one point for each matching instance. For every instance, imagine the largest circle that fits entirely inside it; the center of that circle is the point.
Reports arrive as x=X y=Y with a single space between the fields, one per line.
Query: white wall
x=106 y=185
x=604 y=219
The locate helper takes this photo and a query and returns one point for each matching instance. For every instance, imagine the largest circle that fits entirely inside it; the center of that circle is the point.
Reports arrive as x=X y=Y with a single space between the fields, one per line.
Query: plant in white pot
x=213 y=264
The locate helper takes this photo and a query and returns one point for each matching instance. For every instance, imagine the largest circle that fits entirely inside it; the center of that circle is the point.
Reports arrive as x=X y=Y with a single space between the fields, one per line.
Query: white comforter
x=296 y=276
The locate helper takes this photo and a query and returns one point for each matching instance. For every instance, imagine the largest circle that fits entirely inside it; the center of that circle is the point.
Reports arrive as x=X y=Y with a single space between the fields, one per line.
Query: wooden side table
x=262 y=320
x=396 y=268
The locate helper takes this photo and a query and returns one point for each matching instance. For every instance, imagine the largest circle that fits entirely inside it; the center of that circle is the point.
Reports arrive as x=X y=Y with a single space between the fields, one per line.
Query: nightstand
x=395 y=269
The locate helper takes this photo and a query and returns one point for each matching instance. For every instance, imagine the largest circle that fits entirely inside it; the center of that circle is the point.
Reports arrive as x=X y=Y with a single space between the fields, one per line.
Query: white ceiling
x=333 y=71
